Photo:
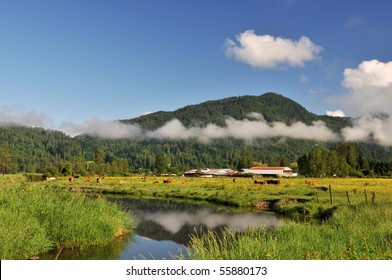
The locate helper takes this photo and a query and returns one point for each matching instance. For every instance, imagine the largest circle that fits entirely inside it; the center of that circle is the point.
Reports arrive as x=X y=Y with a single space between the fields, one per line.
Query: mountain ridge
x=272 y=106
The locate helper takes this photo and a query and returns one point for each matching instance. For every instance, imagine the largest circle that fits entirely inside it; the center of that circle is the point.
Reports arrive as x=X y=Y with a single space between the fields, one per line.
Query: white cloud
x=248 y=129
x=147 y=113
x=336 y=113
x=370 y=127
x=96 y=127
x=265 y=51
x=243 y=129
x=19 y=115
x=370 y=88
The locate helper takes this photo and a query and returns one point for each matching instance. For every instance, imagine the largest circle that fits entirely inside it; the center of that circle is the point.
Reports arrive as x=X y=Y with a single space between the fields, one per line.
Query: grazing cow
x=88 y=179
x=71 y=179
x=98 y=180
x=273 y=181
x=233 y=180
x=168 y=181
x=260 y=182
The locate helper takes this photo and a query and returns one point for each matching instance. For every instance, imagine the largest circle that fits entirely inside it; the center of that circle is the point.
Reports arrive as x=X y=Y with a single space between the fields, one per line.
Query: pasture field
x=354 y=225
x=291 y=196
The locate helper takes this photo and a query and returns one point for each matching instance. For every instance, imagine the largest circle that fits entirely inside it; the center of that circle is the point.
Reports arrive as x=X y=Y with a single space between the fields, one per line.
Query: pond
x=164 y=228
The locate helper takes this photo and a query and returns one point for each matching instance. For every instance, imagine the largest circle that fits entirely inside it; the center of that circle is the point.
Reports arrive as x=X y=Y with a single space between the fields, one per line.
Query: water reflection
x=174 y=221
x=177 y=221
x=164 y=228
x=146 y=248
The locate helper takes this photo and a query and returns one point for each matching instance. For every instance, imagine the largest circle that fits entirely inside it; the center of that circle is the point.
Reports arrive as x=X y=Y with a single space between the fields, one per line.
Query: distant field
x=241 y=193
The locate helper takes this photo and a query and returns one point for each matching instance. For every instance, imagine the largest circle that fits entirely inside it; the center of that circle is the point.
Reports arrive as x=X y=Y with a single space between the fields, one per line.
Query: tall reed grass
x=361 y=232
x=36 y=219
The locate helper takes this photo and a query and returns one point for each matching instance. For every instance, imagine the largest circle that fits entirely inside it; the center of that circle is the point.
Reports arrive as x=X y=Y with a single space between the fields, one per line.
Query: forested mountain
x=273 y=107
x=26 y=149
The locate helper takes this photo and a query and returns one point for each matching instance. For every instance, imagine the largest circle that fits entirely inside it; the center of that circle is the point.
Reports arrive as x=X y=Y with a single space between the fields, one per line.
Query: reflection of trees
x=155 y=231
x=151 y=229
x=156 y=205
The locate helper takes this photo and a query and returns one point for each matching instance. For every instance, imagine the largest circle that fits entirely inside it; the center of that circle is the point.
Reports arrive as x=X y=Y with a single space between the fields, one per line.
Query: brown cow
x=98 y=180
x=273 y=181
x=168 y=181
x=260 y=182
x=88 y=179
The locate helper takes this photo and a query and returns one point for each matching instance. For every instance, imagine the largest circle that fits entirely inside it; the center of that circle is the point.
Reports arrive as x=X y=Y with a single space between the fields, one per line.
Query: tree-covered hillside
x=273 y=107
x=26 y=149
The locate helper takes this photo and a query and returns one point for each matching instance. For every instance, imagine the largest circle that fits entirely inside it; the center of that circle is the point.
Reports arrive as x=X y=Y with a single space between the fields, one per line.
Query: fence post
x=366 y=198
x=348 y=198
x=317 y=197
x=330 y=194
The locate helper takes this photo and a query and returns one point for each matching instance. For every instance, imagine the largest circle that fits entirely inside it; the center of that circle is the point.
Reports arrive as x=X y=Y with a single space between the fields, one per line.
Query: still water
x=164 y=228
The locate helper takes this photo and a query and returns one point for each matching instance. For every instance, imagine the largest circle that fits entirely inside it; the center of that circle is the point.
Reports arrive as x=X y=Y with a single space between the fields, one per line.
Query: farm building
x=270 y=171
x=210 y=172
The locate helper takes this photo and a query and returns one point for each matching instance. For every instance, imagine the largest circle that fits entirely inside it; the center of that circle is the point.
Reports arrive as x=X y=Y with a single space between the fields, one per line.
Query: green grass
x=316 y=229
x=36 y=219
x=361 y=232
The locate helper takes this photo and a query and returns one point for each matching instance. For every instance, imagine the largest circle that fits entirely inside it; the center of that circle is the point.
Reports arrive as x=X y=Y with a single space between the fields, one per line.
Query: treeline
x=342 y=160
x=36 y=150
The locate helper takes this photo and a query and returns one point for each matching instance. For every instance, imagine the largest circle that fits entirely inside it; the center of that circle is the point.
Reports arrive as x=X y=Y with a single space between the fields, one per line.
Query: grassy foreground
x=350 y=226
x=37 y=219
x=352 y=233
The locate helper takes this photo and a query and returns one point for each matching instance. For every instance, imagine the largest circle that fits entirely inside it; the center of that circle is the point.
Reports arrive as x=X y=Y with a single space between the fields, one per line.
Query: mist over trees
x=37 y=150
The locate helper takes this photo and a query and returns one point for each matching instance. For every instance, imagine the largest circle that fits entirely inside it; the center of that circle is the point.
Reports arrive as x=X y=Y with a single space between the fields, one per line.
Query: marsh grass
x=36 y=219
x=363 y=232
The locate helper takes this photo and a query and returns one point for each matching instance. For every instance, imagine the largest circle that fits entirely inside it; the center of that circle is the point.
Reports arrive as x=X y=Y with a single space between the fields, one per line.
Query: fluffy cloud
x=336 y=113
x=249 y=129
x=370 y=88
x=244 y=129
x=97 y=127
x=19 y=115
x=265 y=51
x=377 y=128
x=371 y=127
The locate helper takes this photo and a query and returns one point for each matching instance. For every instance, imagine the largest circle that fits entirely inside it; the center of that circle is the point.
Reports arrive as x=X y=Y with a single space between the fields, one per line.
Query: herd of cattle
x=169 y=181
x=267 y=182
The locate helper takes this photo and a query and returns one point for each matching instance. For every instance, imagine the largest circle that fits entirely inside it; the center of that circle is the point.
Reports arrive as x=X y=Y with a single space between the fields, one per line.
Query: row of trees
x=341 y=160
x=35 y=150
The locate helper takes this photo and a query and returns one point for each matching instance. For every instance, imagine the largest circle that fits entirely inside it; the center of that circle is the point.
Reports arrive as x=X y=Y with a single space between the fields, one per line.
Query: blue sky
x=74 y=61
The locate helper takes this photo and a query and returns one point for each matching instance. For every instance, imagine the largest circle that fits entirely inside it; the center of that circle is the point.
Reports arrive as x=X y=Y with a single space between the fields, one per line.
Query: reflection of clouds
x=174 y=221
